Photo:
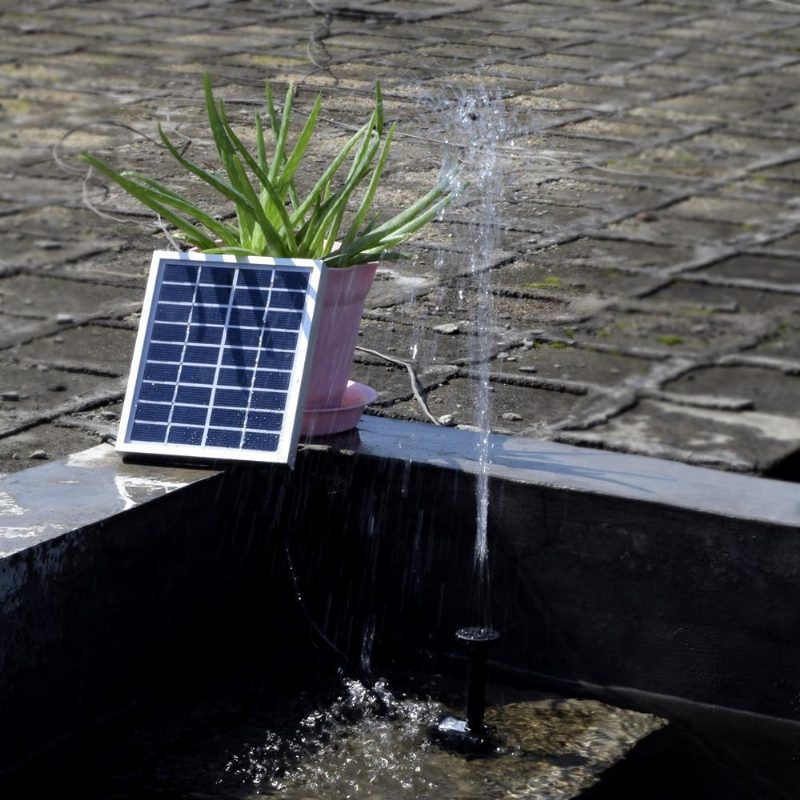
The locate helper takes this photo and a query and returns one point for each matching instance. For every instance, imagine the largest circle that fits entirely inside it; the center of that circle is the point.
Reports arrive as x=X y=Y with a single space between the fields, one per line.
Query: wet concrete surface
x=648 y=215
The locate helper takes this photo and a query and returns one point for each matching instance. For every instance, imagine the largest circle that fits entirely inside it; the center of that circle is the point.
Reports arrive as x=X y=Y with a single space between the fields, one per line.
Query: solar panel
x=220 y=357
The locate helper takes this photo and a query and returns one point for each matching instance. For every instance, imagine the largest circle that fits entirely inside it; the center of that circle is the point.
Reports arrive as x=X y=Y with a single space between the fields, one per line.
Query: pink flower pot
x=339 y=321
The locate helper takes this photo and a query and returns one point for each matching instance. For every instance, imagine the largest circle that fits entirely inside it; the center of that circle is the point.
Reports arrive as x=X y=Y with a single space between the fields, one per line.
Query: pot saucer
x=326 y=421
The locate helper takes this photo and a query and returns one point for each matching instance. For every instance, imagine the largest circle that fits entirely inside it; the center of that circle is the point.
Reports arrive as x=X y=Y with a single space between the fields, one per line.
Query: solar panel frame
x=206 y=366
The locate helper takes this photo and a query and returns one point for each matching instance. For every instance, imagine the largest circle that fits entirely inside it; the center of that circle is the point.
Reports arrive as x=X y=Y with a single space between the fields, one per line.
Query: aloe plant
x=271 y=216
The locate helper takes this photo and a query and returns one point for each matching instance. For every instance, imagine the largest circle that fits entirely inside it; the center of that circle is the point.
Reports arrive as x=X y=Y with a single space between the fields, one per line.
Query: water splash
x=353 y=748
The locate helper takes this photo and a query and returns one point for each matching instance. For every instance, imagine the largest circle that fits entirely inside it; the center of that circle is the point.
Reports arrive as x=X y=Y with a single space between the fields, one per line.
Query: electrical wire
x=384 y=699
x=412 y=376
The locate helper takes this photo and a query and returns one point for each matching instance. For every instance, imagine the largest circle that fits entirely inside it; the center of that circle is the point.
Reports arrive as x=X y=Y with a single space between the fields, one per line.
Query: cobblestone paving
x=642 y=241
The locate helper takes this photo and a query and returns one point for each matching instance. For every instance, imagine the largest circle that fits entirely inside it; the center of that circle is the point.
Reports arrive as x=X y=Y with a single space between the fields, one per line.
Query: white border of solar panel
x=295 y=360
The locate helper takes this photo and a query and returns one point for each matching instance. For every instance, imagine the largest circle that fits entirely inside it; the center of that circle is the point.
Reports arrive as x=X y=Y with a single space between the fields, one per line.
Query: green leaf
x=413 y=210
x=194 y=235
x=232 y=251
x=225 y=151
x=317 y=193
x=373 y=131
x=280 y=140
x=361 y=170
x=261 y=144
x=378 y=108
x=368 y=198
x=368 y=138
x=273 y=114
x=308 y=233
x=286 y=176
x=244 y=203
x=329 y=225
x=277 y=202
x=385 y=237
x=163 y=193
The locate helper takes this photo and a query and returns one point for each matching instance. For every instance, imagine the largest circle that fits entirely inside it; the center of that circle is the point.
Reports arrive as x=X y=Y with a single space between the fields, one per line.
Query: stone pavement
x=638 y=215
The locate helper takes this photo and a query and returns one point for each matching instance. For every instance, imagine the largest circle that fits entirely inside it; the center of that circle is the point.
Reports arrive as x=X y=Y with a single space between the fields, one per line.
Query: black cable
x=310 y=620
x=384 y=699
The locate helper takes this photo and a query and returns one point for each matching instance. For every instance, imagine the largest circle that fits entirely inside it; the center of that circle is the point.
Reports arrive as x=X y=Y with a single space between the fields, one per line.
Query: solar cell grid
x=220 y=357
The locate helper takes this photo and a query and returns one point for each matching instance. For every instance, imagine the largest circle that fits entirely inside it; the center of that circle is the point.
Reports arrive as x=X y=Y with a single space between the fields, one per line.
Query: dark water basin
x=650 y=586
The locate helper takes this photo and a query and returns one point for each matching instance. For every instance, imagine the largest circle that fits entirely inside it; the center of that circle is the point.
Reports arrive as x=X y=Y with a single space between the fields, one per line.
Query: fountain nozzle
x=477 y=641
x=471 y=736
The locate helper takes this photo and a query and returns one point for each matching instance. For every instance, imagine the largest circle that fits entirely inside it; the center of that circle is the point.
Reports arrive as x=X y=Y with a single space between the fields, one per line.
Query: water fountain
x=174 y=593
x=174 y=576
x=481 y=120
